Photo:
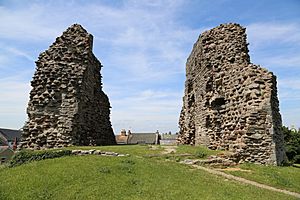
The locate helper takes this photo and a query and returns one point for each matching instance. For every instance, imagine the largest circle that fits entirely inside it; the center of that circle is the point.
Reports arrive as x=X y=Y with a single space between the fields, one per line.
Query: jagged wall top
x=75 y=35
x=67 y=105
x=230 y=103
x=73 y=44
x=226 y=43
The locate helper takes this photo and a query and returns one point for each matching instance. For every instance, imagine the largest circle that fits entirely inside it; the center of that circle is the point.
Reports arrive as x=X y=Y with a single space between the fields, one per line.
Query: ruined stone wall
x=67 y=105
x=229 y=103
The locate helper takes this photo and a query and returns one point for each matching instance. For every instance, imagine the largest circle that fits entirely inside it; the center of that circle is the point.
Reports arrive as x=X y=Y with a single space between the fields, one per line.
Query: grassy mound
x=134 y=177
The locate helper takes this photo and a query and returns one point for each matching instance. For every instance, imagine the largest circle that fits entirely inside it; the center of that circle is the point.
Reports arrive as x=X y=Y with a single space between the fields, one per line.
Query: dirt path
x=234 y=169
x=242 y=180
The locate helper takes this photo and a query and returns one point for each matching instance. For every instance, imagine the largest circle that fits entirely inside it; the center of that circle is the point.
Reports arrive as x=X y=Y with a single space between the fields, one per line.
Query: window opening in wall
x=218 y=103
x=207 y=122
x=207 y=103
x=209 y=85
x=191 y=100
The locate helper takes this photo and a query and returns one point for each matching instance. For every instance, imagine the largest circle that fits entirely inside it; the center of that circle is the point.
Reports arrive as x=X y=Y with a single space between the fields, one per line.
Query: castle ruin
x=230 y=103
x=67 y=105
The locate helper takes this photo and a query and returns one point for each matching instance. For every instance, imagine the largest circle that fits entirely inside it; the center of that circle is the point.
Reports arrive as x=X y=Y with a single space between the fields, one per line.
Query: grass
x=2 y=166
x=280 y=177
x=94 y=177
x=138 y=177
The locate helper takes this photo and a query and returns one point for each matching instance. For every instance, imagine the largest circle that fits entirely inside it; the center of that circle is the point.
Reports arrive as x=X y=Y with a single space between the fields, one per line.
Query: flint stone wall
x=67 y=105
x=230 y=103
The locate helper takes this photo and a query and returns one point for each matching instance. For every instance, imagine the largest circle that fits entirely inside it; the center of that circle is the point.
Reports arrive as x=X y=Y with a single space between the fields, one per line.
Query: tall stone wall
x=229 y=103
x=67 y=105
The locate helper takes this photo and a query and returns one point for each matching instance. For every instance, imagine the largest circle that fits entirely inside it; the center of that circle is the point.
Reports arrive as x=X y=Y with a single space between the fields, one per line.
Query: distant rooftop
x=142 y=138
x=10 y=134
x=137 y=138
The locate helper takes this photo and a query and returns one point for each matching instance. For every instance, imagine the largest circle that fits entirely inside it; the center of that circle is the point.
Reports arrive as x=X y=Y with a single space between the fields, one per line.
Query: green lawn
x=138 y=177
x=133 y=177
x=280 y=177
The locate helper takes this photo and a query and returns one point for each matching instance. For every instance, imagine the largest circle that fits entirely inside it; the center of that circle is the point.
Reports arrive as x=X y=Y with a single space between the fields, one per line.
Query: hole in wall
x=209 y=85
x=217 y=103
x=207 y=122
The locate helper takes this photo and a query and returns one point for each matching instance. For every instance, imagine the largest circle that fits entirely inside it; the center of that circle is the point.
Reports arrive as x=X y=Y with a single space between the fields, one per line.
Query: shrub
x=105 y=170
x=200 y=154
x=130 y=162
x=297 y=159
x=26 y=156
x=292 y=144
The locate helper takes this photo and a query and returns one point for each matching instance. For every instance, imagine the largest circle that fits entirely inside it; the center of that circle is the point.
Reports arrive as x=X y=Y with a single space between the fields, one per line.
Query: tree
x=292 y=144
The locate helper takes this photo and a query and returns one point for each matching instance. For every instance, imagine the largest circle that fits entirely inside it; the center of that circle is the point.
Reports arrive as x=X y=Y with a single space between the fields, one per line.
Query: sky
x=143 y=46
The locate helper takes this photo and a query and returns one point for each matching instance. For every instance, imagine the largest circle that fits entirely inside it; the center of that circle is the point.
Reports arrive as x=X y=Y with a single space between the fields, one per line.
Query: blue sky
x=143 y=46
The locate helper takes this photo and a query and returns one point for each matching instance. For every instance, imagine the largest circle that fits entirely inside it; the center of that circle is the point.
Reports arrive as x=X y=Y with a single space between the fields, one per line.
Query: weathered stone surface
x=230 y=103
x=67 y=105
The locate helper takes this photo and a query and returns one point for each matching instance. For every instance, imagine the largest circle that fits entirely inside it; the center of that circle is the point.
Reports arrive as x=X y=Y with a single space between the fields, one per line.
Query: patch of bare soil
x=153 y=147
x=169 y=149
x=234 y=169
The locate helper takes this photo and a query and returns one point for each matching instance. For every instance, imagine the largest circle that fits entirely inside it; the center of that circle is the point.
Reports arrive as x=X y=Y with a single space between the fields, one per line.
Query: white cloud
x=145 y=47
x=145 y=43
x=15 y=90
x=286 y=61
x=291 y=83
x=275 y=45
x=148 y=110
x=13 y=101
x=289 y=95
x=25 y=24
x=263 y=33
x=141 y=45
x=291 y=117
x=9 y=54
x=3 y=61
x=141 y=34
x=18 y=52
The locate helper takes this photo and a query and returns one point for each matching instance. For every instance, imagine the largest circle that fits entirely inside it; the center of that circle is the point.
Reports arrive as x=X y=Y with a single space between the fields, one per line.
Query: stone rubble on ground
x=212 y=161
x=97 y=152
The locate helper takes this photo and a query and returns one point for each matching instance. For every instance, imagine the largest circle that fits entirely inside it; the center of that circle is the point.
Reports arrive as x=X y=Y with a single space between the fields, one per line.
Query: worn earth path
x=169 y=149
x=246 y=181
